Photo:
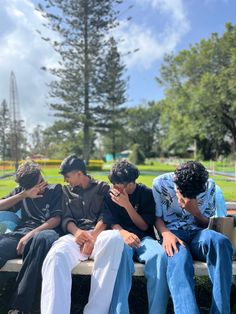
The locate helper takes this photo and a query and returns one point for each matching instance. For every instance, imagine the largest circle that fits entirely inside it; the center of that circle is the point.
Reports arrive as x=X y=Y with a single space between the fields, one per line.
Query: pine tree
x=111 y=113
x=83 y=26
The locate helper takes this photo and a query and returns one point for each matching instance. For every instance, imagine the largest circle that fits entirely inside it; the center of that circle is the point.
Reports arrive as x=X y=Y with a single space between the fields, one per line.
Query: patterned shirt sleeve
x=156 y=190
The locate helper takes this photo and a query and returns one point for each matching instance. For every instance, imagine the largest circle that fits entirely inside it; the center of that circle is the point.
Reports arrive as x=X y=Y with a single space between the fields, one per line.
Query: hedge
x=9 y=165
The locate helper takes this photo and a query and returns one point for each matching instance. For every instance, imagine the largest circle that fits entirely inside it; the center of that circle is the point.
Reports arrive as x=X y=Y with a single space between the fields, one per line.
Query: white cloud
x=24 y=52
x=153 y=41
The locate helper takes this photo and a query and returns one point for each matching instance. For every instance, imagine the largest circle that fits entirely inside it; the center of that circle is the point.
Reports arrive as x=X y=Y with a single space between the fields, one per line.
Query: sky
x=157 y=27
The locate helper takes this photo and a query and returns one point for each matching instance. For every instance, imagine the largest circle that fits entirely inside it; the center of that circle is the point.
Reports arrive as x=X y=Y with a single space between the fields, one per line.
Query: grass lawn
x=147 y=174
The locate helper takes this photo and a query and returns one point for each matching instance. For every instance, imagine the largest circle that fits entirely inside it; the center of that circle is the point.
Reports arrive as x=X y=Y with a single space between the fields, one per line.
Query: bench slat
x=85 y=268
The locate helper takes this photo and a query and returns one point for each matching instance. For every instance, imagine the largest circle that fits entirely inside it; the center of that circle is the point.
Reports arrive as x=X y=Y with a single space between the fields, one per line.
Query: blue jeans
x=153 y=256
x=204 y=245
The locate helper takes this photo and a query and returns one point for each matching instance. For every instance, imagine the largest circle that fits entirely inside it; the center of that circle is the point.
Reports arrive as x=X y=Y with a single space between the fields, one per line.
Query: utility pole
x=14 y=120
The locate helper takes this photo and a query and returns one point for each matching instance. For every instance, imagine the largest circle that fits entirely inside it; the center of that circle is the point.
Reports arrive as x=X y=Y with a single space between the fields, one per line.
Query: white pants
x=64 y=256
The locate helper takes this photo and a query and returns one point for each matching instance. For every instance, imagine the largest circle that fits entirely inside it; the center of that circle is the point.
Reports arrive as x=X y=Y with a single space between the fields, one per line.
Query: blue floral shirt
x=168 y=208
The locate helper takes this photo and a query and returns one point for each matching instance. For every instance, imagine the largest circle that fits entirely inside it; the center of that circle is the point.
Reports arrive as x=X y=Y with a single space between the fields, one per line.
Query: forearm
x=100 y=226
x=12 y=200
x=72 y=228
x=202 y=220
x=51 y=223
x=160 y=226
x=136 y=218
x=118 y=227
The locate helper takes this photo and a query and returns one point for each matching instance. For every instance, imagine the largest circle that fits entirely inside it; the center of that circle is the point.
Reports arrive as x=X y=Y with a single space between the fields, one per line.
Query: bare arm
x=130 y=238
x=100 y=226
x=122 y=199
x=34 y=192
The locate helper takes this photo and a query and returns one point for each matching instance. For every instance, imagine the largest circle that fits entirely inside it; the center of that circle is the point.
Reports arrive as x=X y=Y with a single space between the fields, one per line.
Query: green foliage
x=137 y=156
x=143 y=128
x=111 y=113
x=200 y=93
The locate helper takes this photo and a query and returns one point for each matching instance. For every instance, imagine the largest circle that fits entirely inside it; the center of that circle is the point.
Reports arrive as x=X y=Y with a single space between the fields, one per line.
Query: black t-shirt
x=35 y=212
x=143 y=202
x=84 y=207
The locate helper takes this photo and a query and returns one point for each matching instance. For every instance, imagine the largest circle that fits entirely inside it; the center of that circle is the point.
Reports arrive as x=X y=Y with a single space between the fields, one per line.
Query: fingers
x=133 y=241
x=20 y=248
x=181 y=242
x=168 y=249
x=87 y=248
x=83 y=237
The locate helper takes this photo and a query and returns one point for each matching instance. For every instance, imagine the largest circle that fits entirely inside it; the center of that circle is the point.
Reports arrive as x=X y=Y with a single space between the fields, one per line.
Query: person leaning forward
x=39 y=204
x=131 y=211
x=185 y=200
x=83 y=204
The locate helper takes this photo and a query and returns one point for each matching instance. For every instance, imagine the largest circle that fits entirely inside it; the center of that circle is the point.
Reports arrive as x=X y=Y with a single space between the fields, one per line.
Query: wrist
x=23 y=194
x=165 y=232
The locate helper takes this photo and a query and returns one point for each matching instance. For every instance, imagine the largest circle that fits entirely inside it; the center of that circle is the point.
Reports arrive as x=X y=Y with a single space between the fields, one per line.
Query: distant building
x=121 y=155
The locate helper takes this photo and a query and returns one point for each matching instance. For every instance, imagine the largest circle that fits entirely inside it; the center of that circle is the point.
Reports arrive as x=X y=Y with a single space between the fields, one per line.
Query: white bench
x=85 y=268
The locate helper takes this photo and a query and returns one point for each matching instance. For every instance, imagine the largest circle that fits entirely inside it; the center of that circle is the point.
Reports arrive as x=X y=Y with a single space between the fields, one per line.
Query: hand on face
x=120 y=197
x=189 y=204
x=36 y=191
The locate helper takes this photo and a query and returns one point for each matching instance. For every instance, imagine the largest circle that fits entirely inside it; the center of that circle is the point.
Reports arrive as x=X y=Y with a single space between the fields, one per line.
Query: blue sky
x=157 y=27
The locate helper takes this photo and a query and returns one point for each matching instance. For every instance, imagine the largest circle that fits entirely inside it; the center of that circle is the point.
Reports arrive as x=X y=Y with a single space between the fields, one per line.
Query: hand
x=170 y=243
x=87 y=248
x=130 y=238
x=36 y=191
x=21 y=244
x=82 y=236
x=120 y=198
x=189 y=204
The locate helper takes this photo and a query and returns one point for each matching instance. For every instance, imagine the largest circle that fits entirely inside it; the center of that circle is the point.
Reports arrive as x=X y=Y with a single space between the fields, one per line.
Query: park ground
x=147 y=173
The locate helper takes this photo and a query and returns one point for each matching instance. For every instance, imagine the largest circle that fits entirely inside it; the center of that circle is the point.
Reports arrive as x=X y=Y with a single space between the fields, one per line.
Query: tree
x=200 y=93
x=111 y=113
x=83 y=26
x=4 y=131
x=137 y=156
x=143 y=127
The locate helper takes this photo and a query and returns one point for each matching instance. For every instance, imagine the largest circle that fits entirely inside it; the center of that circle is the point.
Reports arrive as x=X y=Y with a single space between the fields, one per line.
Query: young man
x=40 y=207
x=184 y=202
x=131 y=211
x=83 y=205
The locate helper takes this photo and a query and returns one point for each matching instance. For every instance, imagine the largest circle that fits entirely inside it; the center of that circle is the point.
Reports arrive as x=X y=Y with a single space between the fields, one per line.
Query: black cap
x=71 y=163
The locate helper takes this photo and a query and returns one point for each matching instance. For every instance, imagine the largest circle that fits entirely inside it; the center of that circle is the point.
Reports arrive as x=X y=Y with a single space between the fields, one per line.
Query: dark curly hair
x=123 y=172
x=190 y=178
x=27 y=175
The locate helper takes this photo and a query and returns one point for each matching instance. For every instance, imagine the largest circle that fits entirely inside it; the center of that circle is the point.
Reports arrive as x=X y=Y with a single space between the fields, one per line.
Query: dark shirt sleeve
x=104 y=209
x=147 y=210
x=56 y=202
x=109 y=209
x=67 y=215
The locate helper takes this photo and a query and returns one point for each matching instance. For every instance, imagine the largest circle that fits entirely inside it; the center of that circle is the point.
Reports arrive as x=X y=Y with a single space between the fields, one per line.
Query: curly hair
x=123 y=172
x=190 y=178
x=27 y=174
